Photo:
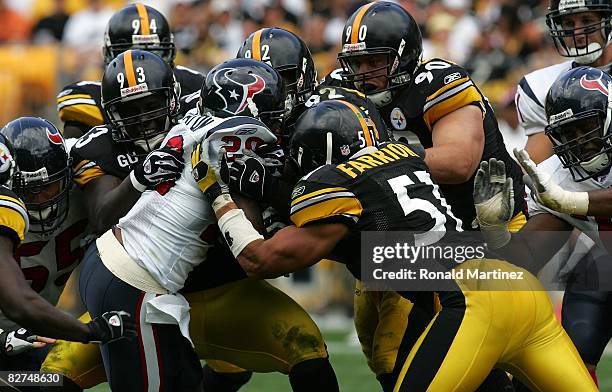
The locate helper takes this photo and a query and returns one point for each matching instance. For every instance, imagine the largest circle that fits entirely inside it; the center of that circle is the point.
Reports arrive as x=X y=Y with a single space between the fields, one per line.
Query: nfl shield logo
x=345 y=150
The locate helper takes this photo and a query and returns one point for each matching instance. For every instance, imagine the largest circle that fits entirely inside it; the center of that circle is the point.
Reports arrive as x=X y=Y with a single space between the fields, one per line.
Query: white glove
x=494 y=202
x=547 y=192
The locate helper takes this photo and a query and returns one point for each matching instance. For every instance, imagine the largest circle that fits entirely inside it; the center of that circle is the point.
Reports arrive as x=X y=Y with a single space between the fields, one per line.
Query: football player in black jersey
x=137 y=26
x=353 y=184
x=434 y=99
x=17 y=298
x=104 y=159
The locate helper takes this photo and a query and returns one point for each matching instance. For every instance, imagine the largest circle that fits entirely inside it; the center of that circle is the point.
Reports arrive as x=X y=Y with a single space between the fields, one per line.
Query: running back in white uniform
x=531 y=96
x=162 y=231
x=588 y=225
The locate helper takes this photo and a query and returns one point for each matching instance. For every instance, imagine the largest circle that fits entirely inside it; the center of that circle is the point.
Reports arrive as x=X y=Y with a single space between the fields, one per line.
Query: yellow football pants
x=246 y=324
x=512 y=328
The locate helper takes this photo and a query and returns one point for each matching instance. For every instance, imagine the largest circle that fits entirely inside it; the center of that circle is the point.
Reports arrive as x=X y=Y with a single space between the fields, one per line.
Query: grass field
x=353 y=372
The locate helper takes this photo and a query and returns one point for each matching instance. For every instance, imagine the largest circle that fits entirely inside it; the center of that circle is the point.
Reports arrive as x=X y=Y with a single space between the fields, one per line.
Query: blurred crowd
x=496 y=40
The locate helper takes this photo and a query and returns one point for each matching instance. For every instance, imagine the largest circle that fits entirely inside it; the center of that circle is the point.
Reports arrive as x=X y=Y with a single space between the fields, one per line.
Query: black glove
x=161 y=165
x=111 y=326
x=254 y=175
x=16 y=342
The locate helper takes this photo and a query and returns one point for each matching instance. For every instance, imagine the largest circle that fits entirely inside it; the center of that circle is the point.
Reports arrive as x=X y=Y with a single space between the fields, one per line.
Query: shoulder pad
x=14 y=221
x=81 y=102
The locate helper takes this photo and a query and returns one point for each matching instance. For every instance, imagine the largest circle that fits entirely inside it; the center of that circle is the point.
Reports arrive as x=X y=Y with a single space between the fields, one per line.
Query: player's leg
x=80 y=364
x=223 y=376
x=254 y=325
x=158 y=358
x=549 y=362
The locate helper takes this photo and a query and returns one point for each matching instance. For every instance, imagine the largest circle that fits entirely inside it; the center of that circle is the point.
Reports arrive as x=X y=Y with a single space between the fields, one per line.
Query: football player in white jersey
x=144 y=261
x=582 y=32
x=579 y=110
x=46 y=239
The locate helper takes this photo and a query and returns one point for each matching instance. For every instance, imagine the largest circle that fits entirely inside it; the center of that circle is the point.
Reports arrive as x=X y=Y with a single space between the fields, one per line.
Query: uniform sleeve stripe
x=524 y=85
x=73 y=96
x=75 y=101
x=348 y=207
x=84 y=166
x=316 y=193
x=317 y=199
x=447 y=87
x=458 y=100
x=14 y=217
x=84 y=113
x=447 y=94
x=88 y=175
x=13 y=203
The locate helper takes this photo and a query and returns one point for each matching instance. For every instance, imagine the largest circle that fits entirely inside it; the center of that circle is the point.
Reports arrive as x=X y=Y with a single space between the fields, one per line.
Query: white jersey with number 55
x=163 y=231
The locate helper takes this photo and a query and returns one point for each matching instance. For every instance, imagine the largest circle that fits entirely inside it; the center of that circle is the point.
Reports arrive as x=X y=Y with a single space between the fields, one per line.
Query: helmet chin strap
x=594 y=51
x=381 y=98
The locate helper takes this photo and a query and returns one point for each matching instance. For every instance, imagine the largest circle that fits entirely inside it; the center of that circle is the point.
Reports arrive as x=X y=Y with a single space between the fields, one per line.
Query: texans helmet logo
x=54 y=136
x=235 y=94
x=595 y=85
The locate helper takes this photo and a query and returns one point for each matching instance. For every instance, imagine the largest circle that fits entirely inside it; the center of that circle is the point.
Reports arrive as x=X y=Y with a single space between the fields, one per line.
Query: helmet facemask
x=46 y=197
x=583 y=142
x=143 y=119
x=390 y=71
x=577 y=43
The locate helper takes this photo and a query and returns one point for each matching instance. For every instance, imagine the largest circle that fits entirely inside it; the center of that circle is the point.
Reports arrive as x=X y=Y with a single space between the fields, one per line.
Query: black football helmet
x=381 y=28
x=289 y=55
x=7 y=162
x=579 y=47
x=245 y=87
x=138 y=26
x=140 y=96
x=43 y=175
x=579 y=110
x=330 y=133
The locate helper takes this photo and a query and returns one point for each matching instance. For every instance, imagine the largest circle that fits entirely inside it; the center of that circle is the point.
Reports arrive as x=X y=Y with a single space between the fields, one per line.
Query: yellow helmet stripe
x=129 y=68
x=256 y=44
x=357 y=23
x=144 y=18
x=362 y=122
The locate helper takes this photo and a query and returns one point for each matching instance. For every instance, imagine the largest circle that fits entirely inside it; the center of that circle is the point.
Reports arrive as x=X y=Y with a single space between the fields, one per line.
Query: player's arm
x=539 y=147
x=28 y=309
x=458 y=143
x=453 y=110
x=108 y=198
x=289 y=250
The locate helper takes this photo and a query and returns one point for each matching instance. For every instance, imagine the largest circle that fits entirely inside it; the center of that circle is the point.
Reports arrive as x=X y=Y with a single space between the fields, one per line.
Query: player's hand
x=494 y=201
x=21 y=340
x=252 y=175
x=211 y=176
x=161 y=165
x=547 y=192
x=111 y=326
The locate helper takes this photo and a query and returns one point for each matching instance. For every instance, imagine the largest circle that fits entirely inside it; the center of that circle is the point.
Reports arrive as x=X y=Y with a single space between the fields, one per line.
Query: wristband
x=237 y=230
x=136 y=184
x=221 y=201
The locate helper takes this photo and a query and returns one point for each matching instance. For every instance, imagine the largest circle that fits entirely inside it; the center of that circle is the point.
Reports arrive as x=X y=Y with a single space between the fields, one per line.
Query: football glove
x=209 y=175
x=19 y=341
x=161 y=165
x=494 y=202
x=111 y=326
x=250 y=176
x=547 y=192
